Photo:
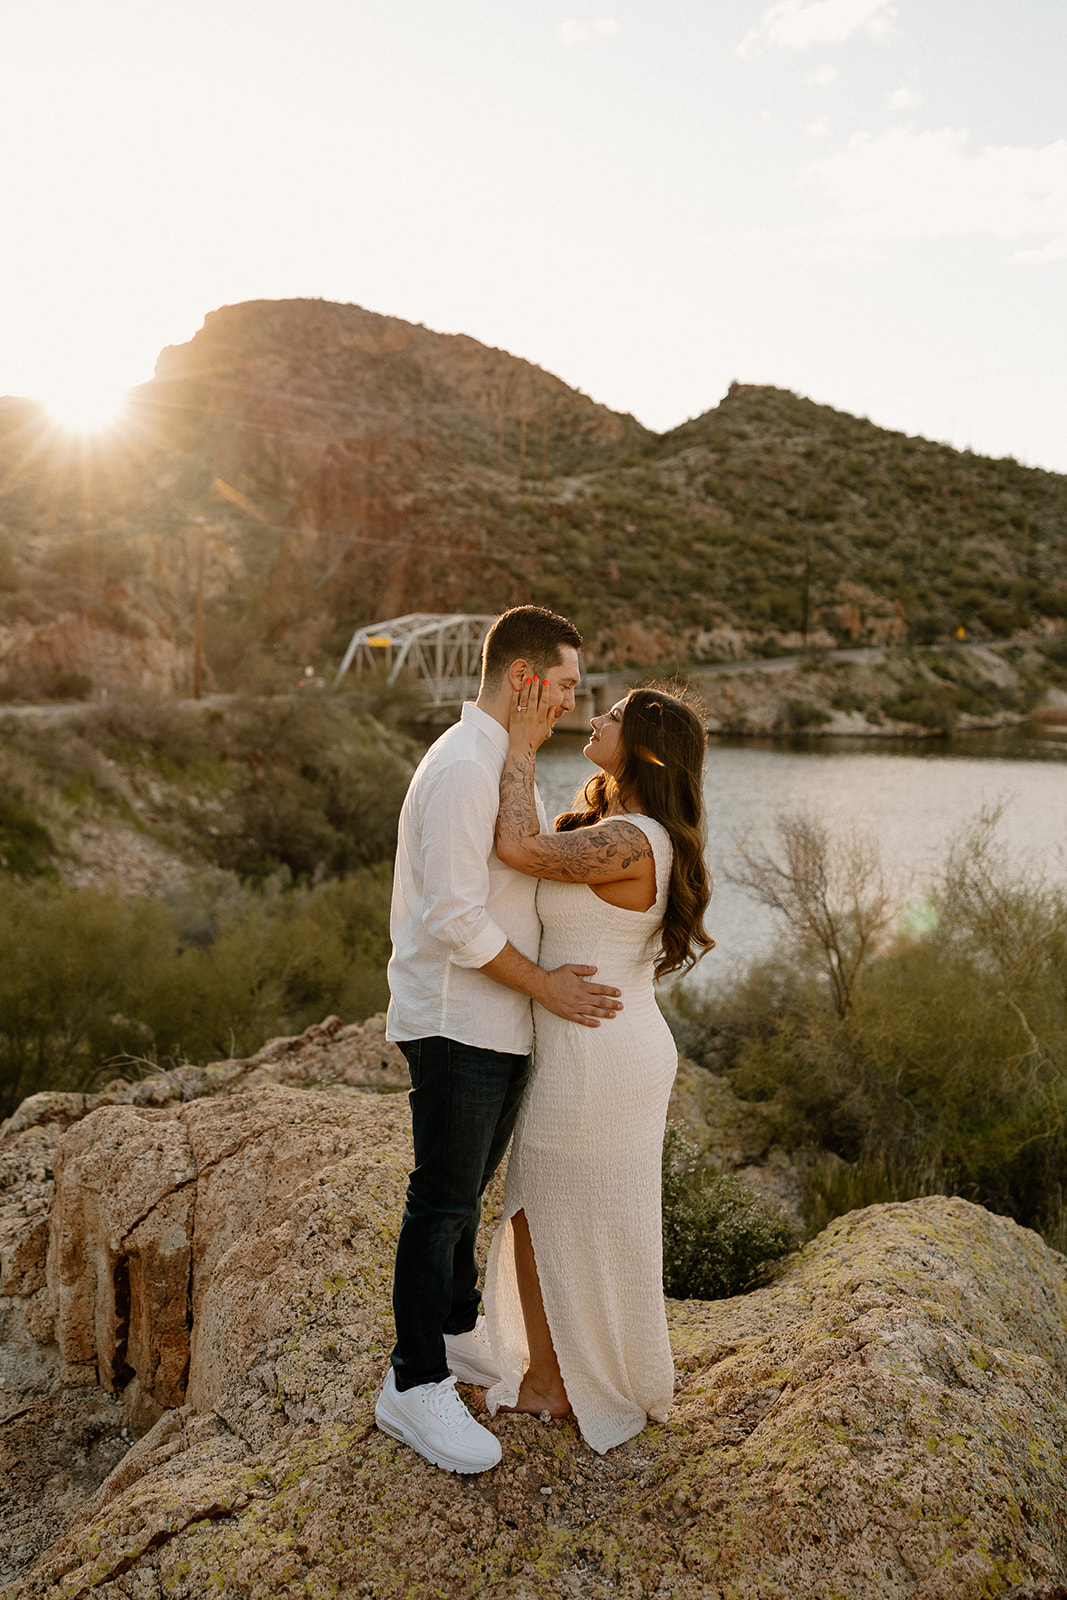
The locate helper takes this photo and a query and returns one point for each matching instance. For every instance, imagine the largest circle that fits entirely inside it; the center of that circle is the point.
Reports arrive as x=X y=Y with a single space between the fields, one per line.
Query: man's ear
x=518 y=672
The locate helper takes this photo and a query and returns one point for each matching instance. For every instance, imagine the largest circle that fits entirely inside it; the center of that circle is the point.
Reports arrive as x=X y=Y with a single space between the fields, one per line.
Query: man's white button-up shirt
x=455 y=904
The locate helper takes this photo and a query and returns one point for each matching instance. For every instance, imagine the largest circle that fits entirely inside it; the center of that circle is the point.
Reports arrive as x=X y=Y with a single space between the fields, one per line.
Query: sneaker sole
x=395 y=1428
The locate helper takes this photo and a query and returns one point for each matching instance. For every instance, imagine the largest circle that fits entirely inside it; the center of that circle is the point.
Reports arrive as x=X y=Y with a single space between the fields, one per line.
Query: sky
x=864 y=201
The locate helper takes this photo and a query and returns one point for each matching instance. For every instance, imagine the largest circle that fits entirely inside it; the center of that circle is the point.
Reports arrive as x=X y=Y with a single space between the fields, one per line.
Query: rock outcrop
x=886 y=1419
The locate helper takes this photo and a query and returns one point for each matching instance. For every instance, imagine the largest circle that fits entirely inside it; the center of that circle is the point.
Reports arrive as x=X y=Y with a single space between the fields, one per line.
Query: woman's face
x=605 y=746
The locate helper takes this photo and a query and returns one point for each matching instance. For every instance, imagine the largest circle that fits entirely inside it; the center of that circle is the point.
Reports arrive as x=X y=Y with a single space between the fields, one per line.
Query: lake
x=915 y=797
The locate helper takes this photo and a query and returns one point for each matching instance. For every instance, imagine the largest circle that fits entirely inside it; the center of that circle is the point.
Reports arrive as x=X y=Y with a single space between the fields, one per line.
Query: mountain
x=332 y=467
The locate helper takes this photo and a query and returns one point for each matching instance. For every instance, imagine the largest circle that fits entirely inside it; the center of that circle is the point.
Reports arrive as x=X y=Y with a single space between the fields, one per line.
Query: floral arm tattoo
x=602 y=853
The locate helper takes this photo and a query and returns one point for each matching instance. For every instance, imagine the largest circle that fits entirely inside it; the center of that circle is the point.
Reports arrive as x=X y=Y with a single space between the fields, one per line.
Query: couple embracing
x=491 y=911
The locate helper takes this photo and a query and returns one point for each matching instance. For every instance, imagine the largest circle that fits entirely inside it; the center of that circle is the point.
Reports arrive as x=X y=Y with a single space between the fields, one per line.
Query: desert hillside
x=330 y=467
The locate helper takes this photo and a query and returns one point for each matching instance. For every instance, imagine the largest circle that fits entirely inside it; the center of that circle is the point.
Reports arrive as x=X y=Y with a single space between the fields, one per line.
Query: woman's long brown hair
x=664 y=742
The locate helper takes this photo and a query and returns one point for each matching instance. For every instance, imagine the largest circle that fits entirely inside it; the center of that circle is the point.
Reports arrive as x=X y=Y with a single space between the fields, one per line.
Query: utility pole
x=807 y=590
x=198 y=631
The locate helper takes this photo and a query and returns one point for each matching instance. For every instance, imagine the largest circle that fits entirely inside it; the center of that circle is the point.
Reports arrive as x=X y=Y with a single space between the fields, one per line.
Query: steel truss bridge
x=443 y=650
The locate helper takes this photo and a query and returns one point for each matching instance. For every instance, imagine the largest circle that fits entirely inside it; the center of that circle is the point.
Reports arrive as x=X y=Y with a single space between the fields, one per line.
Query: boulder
x=150 y=1201
x=886 y=1419
x=98 y=1288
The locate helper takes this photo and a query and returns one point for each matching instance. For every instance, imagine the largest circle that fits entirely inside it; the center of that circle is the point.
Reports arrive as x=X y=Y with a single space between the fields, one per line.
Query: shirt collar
x=485 y=724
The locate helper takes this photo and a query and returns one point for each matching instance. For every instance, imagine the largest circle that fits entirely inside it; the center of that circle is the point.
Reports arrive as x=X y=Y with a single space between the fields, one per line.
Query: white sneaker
x=433 y=1420
x=470 y=1356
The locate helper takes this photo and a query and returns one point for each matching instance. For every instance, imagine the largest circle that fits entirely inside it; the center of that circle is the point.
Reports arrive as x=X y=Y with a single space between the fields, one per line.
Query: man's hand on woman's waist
x=565 y=991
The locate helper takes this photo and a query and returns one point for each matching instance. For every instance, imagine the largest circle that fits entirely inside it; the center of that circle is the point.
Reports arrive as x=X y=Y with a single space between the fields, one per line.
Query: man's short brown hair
x=526 y=633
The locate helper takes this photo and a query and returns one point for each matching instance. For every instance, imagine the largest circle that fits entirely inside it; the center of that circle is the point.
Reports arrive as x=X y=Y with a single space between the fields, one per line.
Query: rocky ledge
x=196 y=1321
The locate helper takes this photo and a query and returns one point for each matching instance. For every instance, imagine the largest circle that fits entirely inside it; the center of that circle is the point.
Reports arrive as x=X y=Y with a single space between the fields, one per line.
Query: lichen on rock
x=886 y=1419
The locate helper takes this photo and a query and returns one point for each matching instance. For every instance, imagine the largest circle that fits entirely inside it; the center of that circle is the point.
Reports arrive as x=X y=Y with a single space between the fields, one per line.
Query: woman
x=574 y=1298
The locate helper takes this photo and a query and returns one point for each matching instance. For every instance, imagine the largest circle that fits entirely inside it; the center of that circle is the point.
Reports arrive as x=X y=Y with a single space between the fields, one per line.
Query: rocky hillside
x=318 y=467
x=195 y=1283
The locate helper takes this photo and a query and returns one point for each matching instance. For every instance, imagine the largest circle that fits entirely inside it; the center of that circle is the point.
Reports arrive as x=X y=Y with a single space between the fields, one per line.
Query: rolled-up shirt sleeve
x=458 y=823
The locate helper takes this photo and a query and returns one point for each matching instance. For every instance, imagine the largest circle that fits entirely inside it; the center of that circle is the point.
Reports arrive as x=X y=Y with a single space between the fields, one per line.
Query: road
x=609 y=685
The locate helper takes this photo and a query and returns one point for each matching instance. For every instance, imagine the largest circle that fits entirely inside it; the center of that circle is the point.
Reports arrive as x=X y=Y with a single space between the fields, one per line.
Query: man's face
x=562 y=680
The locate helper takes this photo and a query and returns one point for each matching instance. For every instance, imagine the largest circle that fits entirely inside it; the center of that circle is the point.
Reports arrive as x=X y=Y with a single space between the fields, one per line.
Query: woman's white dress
x=585 y=1168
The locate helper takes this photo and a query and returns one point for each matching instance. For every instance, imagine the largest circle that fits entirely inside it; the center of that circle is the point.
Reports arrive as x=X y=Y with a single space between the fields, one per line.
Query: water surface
x=914 y=797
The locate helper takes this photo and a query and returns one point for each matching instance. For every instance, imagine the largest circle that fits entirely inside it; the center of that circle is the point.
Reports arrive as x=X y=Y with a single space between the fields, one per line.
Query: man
x=462 y=974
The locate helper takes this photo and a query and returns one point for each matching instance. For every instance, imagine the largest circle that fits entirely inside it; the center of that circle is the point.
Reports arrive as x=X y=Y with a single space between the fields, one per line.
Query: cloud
x=796 y=23
x=575 y=32
x=1047 y=252
x=903 y=99
x=906 y=184
x=823 y=77
x=820 y=127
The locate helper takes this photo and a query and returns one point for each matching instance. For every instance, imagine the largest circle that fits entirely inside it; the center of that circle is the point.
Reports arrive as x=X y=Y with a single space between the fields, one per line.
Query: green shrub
x=929 y=624
x=1003 y=620
x=297 y=783
x=930 y=705
x=29 y=681
x=800 y=714
x=947 y=1067
x=846 y=698
x=719 y=1235
x=132 y=727
x=833 y=1187
x=25 y=843
x=71 y=686
x=72 y=971
x=308 y=803
x=88 y=977
x=324 y=949
x=10 y=581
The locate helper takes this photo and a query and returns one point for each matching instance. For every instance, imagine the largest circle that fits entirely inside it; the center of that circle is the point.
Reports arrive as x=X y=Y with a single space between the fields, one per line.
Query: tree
x=832 y=891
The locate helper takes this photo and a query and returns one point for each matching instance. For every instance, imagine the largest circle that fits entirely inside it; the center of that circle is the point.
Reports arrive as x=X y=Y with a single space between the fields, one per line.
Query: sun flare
x=84 y=407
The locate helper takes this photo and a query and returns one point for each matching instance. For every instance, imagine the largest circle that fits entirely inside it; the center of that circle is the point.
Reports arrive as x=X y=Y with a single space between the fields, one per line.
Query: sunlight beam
x=84 y=407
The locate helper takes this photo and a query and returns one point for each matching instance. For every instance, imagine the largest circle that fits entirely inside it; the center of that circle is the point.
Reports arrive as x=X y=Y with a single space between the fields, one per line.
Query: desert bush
x=833 y=1187
x=847 y=698
x=324 y=948
x=948 y=1066
x=135 y=727
x=1055 y=654
x=72 y=965
x=929 y=705
x=315 y=792
x=720 y=1236
x=28 y=681
x=831 y=889
x=88 y=977
x=298 y=782
x=1003 y=619
x=10 y=581
x=801 y=714
x=25 y=843
x=46 y=761
x=929 y=624
x=391 y=705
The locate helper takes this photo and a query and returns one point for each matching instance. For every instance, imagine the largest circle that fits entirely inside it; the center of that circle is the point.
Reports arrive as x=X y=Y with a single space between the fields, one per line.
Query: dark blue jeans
x=464 y=1102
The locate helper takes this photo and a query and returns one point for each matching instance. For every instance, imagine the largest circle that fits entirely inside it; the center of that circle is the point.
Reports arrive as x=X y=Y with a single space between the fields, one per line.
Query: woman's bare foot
x=535 y=1399
x=532 y=1402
